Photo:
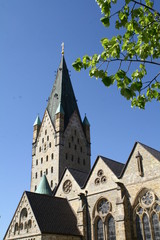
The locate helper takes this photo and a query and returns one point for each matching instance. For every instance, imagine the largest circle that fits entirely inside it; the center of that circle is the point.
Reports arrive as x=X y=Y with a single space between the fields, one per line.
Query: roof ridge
x=148 y=146
x=111 y=160
x=76 y=170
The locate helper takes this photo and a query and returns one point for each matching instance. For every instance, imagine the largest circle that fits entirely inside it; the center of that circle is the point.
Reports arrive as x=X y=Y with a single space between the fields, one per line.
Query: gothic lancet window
x=100 y=235
x=104 y=221
x=146 y=216
x=111 y=228
x=146 y=226
x=156 y=226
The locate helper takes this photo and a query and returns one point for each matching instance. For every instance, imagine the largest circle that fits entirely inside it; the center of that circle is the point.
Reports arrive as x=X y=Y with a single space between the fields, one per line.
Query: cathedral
x=69 y=200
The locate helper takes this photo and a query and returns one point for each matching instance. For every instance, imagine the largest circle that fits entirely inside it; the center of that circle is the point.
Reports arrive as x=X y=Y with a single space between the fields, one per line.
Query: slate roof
x=116 y=167
x=79 y=176
x=62 y=93
x=152 y=151
x=52 y=214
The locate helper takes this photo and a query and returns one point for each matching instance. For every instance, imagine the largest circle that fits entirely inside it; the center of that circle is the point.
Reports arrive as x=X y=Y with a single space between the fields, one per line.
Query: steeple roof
x=37 y=121
x=85 y=121
x=44 y=187
x=62 y=94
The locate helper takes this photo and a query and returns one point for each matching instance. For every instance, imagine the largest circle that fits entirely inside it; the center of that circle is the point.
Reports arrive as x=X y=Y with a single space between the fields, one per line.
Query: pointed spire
x=44 y=187
x=37 y=121
x=85 y=121
x=62 y=93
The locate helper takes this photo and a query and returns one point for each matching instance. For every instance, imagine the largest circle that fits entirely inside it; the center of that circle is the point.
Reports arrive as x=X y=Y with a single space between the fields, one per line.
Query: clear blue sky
x=31 y=33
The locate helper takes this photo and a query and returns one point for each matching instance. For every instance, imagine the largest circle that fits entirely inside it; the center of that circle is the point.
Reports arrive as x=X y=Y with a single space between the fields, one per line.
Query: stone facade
x=115 y=201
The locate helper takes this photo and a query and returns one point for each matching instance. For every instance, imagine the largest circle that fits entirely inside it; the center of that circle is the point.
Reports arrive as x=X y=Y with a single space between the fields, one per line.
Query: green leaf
x=105 y=21
x=78 y=65
x=108 y=80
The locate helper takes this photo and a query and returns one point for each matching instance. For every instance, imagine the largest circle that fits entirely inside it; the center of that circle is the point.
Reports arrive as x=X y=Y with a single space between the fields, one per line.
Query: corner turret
x=36 y=127
x=44 y=187
x=86 y=127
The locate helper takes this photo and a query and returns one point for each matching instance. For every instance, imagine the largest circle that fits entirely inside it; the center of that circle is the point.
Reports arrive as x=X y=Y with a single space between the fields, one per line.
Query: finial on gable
x=62 y=48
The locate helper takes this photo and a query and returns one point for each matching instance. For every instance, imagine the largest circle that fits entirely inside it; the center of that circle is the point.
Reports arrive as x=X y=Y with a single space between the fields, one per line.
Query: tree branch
x=154 y=79
x=151 y=9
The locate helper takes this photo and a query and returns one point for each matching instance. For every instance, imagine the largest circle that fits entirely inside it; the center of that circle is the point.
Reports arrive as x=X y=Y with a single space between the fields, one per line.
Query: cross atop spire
x=62 y=48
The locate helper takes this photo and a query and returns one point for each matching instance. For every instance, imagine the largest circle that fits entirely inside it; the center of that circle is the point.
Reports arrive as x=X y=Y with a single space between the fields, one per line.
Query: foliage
x=135 y=49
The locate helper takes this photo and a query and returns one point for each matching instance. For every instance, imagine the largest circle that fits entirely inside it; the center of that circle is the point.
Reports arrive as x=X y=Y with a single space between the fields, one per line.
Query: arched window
x=111 y=228
x=147 y=230
x=146 y=216
x=23 y=214
x=139 y=228
x=100 y=230
x=16 y=228
x=156 y=227
x=29 y=224
x=104 y=221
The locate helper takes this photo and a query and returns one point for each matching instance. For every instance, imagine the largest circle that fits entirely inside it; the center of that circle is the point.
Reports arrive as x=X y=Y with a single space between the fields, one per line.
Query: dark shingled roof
x=152 y=151
x=116 y=167
x=52 y=214
x=79 y=176
x=62 y=93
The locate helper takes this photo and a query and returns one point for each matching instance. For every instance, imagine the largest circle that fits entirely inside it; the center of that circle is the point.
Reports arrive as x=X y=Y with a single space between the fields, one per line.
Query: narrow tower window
x=139 y=164
x=47 y=158
x=51 y=183
x=52 y=156
x=51 y=169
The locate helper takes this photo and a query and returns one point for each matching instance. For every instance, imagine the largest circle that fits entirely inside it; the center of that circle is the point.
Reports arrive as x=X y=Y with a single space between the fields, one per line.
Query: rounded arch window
x=23 y=214
x=16 y=228
x=29 y=224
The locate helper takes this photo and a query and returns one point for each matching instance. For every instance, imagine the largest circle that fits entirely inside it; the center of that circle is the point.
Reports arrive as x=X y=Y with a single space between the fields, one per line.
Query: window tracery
x=101 y=178
x=146 y=216
x=104 y=224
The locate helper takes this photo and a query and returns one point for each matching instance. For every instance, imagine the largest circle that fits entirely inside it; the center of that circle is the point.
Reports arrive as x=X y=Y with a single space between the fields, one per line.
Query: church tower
x=61 y=140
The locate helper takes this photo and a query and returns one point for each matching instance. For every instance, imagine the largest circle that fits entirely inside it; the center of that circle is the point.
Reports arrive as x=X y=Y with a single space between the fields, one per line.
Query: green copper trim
x=44 y=187
x=60 y=109
x=37 y=121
